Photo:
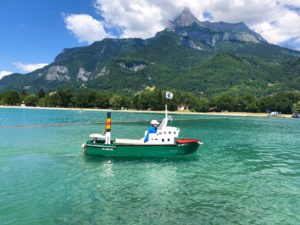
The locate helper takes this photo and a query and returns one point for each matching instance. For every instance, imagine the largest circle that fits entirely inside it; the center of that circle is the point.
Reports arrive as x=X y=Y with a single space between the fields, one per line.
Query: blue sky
x=33 y=32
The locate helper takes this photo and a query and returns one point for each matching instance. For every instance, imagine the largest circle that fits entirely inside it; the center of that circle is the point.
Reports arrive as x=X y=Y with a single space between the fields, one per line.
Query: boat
x=296 y=115
x=164 y=142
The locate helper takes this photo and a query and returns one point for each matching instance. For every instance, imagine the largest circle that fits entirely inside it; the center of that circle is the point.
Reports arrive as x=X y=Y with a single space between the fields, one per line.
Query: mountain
x=186 y=24
x=193 y=55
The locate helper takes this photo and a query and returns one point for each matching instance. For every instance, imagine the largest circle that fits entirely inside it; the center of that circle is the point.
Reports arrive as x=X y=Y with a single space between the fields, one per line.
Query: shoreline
x=236 y=114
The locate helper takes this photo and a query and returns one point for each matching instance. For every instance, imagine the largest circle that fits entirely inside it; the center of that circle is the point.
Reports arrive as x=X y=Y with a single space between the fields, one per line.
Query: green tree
x=41 y=93
x=65 y=97
x=296 y=107
x=116 y=102
x=281 y=102
x=11 y=98
x=149 y=99
x=31 y=100
x=224 y=102
x=198 y=104
x=23 y=94
x=102 y=100
x=246 y=103
x=126 y=102
x=85 y=99
x=43 y=102
x=52 y=100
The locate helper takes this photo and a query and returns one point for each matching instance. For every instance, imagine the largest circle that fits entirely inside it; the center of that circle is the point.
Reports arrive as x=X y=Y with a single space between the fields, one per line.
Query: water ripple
x=247 y=172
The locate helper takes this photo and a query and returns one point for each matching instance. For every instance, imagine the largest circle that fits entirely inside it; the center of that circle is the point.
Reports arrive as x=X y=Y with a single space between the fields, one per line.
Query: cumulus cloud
x=137 y=18
x=276 y=21
x=281 y=28
x=85 y=27
x=4 y=73
x=27 y=68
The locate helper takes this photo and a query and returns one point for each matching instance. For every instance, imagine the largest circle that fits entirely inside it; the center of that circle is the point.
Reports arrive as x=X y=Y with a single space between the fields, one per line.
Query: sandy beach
x=242 y=114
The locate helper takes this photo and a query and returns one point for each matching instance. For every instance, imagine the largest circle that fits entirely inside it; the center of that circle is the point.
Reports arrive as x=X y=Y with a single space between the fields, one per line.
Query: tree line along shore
x=154 y=99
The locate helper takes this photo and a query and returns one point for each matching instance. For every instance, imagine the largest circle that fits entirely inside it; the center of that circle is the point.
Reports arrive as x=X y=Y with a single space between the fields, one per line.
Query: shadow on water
x=140 y=159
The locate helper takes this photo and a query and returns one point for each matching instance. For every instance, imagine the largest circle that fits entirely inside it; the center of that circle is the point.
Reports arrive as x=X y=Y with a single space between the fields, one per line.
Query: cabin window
x=168 y=139
x=174 y=132
x=163 y=140
x=156 y=139
x=165 y=132
x=169 y=132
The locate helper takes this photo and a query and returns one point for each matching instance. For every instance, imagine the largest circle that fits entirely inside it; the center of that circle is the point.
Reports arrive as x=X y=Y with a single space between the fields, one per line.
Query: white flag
x=169 y=95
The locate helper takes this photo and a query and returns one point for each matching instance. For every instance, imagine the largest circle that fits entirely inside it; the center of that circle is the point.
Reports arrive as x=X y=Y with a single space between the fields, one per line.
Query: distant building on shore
x=182 y=108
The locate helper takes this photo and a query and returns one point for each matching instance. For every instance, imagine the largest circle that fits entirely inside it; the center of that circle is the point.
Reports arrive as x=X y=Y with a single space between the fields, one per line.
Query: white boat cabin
x=165 y=135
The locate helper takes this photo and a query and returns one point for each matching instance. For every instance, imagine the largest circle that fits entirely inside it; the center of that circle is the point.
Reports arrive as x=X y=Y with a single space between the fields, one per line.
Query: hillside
x=189 y=54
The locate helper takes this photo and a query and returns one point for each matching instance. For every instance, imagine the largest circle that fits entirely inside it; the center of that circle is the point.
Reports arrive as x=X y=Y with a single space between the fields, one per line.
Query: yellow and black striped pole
x=108 y=128
x=108 y=122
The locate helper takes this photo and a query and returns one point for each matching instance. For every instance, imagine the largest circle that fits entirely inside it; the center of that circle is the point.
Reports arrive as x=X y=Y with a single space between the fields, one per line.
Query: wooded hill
x=189 y=55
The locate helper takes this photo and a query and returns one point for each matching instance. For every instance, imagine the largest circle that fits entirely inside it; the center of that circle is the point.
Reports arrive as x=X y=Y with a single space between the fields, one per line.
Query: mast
x=169 y=95
x=164 y=122
x=166 y=114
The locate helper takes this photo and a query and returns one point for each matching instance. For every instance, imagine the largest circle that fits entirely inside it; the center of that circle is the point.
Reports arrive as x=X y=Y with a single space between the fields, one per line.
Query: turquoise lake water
x=247 y=172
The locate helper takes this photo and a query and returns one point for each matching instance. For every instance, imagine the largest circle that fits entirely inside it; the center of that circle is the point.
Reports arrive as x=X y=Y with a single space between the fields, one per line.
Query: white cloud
x=27 y=68
x=4 y=73
x=137 y=18
x=143 y=18
x=281 y=29
x=85 y=28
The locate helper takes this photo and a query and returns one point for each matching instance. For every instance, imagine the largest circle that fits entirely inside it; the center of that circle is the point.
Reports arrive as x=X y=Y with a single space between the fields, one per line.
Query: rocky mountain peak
x=211 y=33
x=185 y=19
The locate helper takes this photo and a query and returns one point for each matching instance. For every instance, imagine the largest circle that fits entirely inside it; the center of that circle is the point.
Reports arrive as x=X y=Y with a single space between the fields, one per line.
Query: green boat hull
x=101 y=149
